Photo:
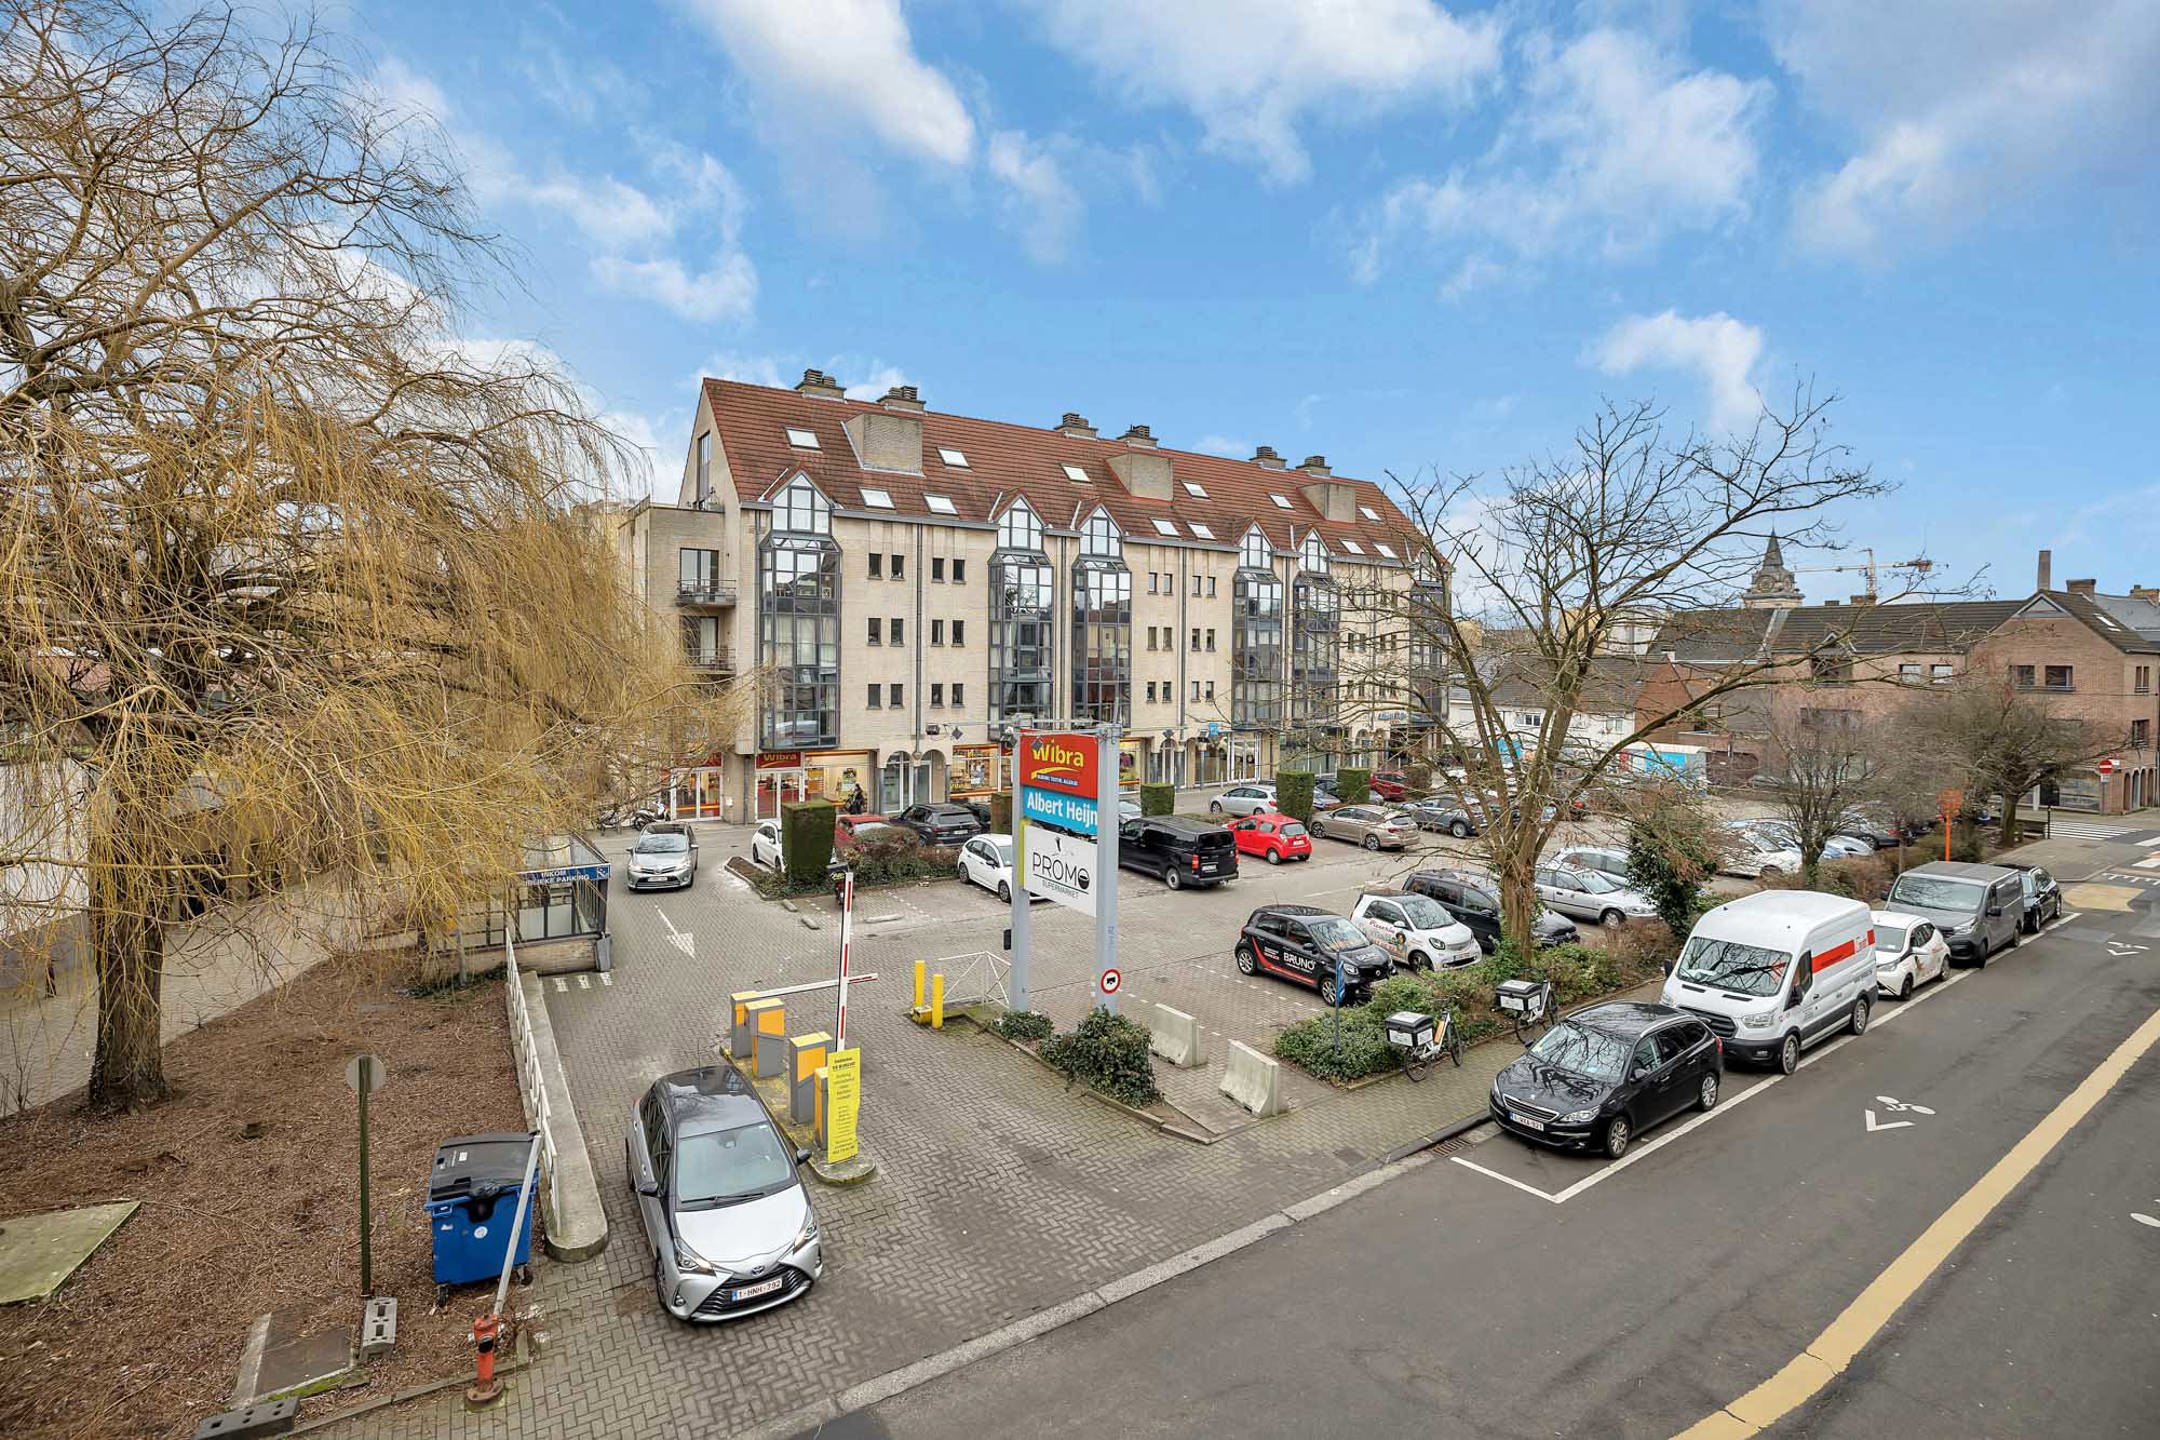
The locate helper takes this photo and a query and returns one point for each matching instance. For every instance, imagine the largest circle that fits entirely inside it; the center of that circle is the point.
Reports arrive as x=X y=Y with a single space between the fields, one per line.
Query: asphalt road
x=1453 y=1302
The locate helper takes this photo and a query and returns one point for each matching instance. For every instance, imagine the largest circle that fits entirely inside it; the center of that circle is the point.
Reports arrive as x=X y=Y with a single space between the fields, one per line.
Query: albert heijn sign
x=1060 y=777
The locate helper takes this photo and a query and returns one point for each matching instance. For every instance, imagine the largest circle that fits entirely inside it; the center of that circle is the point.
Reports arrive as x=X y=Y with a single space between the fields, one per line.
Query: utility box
x=1409 y=1030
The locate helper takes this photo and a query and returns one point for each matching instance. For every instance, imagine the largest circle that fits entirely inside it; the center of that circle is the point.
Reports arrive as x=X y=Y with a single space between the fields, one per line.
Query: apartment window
x=937 y=632
x=1256 y=638
x=877 y=693
x=876 y=628
x=1193 y=488
x=1369 y=513
x=1075 y=474
x=799 y=622
x=2022 y=676
x=1196 y=587
x=1153 y=581
x=1940 y=673
x=1165 y=527
x=698 y=572
x=1909 y=673
x=1210 y=695
x=1210 y=587
x=2143 y=685
x=1315 y=647
x=959 y=571
x=899 y=567
x=2140 y=734
x=937 y=697
x=877 y=566
x=1196 y=689
x=899 y=631
x=1211 y=642
x=959 y=632
x=1201 y=530
x=2057 y=677
x=892 y=697
x=959 y=698
x=1151 y=637
x=704 y=467
x=701 y=639
x=1282 y=502
x=1101 y=625
x=937 y=569
x=1196 y=641
x=1151 y=692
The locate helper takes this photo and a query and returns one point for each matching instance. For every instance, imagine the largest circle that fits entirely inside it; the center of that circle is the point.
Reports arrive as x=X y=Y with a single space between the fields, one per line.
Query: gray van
x=1979 y=908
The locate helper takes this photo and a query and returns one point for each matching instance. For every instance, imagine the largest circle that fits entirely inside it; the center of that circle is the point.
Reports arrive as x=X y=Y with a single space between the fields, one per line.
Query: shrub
x=808 y=839
x=1293 y=794
x=1862 y=877
x=1354 y=786
x=888 y=856
x=1364 y=1049
x=1001 y=812
x=1109 y=1053
x=1158 y=799
x=1640 y=948
x=1418 y=778
x=1026 y=1025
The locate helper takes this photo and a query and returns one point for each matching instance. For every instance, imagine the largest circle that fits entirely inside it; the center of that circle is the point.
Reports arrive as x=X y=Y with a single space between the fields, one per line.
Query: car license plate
x=763 y=1287
x=1526 y=1121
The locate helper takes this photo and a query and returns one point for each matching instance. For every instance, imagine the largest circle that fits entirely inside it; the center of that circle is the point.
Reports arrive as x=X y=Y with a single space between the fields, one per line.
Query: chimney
x=1863 y=599
x=1140 y=437
x=821 y=385
x=1266 y=458
x=890 y=437
x=1332 y=498
x=2047 y=570
x=1147 y=475
x=1316 y=466
x=1830 y=604
x=2147 y=593
x=2081 y=587
x=1075 y=426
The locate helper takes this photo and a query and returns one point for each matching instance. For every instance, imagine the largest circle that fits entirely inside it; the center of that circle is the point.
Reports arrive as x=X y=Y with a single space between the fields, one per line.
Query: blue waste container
x=473 y=1195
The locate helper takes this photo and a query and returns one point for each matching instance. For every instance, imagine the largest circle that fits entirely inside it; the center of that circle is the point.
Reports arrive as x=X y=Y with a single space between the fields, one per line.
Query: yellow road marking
x=1827 y=1356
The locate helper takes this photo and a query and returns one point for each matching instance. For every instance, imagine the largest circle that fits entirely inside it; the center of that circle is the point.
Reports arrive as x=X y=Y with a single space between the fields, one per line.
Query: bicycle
x=1527 y=1004
x=1418 y=1048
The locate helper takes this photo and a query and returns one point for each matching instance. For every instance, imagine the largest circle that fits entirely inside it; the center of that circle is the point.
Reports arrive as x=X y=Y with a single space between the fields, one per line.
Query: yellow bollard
x=937 y=1001
x=919 y=967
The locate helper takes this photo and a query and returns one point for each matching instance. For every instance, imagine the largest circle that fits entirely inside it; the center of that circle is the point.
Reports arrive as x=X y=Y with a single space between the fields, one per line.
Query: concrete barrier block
x=1175 y=1036
x=1253 y=1080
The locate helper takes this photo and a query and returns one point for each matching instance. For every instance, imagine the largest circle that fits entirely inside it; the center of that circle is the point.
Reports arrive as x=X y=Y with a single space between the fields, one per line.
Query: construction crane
x=1919 y=565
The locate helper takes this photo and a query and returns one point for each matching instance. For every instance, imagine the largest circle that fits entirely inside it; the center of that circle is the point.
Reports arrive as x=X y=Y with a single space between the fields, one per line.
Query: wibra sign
x=1062 y=764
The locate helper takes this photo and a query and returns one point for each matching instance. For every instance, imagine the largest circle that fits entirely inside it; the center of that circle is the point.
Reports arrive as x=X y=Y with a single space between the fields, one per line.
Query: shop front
x=908 y=778
x=787 y=776
x=1246 y=757
x=1131 y=762
x=699 y=793
x=975 y=771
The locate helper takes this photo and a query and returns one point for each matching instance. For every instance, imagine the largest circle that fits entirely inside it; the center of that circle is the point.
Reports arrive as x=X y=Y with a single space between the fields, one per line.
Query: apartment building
x=907 y=586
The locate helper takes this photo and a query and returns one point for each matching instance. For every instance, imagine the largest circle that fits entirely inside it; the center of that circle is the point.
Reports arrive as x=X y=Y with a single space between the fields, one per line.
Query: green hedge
x=807 y=834
x=1293 y=794
x=1029 y=1025
x=1109 y=1053
x=1354 y=786
x=1158 y=799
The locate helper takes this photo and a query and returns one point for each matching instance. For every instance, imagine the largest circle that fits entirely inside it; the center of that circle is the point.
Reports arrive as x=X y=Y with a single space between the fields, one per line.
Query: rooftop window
x=1075 y=474
x=1201 y=530
x=1385 y=549
x=1192 y=488
x=940 y=504
x=1282 y=502
x=802 y=439
x=877 y=499
x=953 y=457
x=1165 y=527
x=1353 y=547
x=1368 y=512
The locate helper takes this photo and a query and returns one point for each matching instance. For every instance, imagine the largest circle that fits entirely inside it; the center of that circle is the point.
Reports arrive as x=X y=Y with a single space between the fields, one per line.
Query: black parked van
x=1183 y=852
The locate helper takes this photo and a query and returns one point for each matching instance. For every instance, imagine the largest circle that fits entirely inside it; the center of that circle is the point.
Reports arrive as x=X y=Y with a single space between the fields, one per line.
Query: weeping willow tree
x=292 y=581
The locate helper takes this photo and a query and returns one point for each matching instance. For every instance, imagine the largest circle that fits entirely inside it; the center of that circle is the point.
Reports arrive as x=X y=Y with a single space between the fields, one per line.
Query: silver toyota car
x=726 y=1216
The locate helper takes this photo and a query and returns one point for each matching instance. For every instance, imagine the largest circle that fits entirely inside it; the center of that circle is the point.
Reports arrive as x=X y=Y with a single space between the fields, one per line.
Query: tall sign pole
x=1016 y=988
x=1106 y=868
x=847 y=937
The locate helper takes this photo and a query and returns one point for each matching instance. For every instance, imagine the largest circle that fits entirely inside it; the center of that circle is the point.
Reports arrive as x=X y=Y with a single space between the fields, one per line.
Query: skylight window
x=802 y=439
x=1193 y=488
x=956 y=458
x=877 y=499
x=1165 y=527
x=1385 y=549
x=1282 y=502
x=940 y=504
x=1201 y=530
x=1368 y=512
x=1075 y=474
x=1353 y=547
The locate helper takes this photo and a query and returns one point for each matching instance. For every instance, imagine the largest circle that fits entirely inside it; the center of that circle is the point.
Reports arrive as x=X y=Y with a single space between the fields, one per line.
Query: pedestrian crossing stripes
x=2091 y=830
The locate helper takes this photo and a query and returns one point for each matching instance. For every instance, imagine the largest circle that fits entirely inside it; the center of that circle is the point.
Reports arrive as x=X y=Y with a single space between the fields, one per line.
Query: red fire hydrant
x=486 y=1389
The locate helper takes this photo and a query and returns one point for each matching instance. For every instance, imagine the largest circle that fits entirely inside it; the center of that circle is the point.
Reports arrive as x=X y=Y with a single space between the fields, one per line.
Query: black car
x=1602 y=1076
x=1472 y=900
x=1448 y=816
x=1182 y=852
x=2043 y=897
x=1310 y=945
x=943 y=824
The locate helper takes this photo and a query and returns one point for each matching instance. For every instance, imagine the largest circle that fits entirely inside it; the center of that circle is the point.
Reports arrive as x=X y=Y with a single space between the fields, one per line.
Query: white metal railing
x=976 y=976
x=532 y=1089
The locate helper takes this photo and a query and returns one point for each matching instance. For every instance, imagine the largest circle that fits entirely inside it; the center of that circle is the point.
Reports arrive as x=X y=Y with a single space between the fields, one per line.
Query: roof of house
x=1004 y=460
x=1709 y=637
x=2130 y=624
x=1612 y=686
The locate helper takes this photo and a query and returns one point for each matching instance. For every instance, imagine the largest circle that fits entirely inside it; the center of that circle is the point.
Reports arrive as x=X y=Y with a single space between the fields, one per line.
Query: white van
x=1777 y=971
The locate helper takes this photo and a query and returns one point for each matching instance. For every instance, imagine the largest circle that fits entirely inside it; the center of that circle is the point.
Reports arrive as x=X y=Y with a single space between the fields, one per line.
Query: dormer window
x=1019 y=528
x=1254 y=552
x=1313 y=555
x=802 y=439
x=1101 y=537
x=803 y=510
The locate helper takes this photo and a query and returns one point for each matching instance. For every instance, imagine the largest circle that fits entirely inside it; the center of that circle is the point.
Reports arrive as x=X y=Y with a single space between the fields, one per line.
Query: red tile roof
x=1005 y=459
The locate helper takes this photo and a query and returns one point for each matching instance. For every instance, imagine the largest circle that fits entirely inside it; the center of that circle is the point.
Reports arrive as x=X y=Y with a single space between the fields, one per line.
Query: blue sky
x=1405 y=236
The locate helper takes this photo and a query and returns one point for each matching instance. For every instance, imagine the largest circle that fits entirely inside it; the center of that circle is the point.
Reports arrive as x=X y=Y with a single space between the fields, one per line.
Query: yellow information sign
x=843 y=1096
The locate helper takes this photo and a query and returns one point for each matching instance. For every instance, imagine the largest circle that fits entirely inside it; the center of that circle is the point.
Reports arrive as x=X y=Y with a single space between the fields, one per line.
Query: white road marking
x=561 y=985
x=606 y=979
x=1503 y=1179
x=2144 y=1219
x=1874 y=1125
x=584 y=982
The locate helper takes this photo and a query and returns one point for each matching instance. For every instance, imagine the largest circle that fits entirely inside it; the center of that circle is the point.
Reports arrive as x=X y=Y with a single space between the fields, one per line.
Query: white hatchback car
x=1244 y=800
x=765 y=844
x=1416 y=931
x=987 y=860
x=1909 y=952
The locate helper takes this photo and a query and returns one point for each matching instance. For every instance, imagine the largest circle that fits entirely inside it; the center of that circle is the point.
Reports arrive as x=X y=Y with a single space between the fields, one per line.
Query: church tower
x=1773 y=587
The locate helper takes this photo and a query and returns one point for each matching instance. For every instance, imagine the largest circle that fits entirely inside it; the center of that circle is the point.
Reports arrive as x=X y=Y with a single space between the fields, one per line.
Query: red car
x=1274 y=836
x=1389 y=785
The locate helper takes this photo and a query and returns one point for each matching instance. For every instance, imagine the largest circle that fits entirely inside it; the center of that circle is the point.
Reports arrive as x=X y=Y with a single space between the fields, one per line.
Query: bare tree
x=1566 y=553
x=1985 y=736
x=1831 y=764
x=291 y=579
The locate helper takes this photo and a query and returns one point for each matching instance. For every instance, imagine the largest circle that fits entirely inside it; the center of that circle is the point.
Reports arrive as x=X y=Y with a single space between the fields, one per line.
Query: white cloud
x=876 y=378
x=1963 y=105
x=651 y=475
x=1222 y=445
x=1251 y=71
x=1613 y=144
x=1039 y=202
x=1719 y=349
x=843 y=64
x=726 y=291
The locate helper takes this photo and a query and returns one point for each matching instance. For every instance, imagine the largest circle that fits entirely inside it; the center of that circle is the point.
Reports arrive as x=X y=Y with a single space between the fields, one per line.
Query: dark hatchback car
x=1602 y=1076
x=1181 y=852
x=943 y=824
x=1472 y=900
x=1310 y=945
x=2043 y=897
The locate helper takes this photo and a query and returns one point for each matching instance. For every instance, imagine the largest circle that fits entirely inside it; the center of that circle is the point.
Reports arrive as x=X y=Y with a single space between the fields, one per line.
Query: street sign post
x=1106 y=871
x=364 y=1075
x=847 y=936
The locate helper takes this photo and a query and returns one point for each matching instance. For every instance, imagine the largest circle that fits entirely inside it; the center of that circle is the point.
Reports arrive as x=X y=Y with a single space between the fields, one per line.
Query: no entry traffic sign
x=1109 y=982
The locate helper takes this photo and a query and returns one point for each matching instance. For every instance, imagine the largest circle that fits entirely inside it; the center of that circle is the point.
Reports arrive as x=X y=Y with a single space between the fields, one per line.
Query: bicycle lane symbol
x=1896 y=1107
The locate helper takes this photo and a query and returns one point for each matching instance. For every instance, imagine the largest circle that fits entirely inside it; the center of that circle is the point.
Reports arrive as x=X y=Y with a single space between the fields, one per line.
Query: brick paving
x=1000 y=1193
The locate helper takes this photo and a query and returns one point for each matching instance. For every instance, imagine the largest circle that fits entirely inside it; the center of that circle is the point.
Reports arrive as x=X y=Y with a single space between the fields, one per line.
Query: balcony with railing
x=705 y=592
x=711 y=659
